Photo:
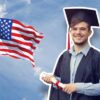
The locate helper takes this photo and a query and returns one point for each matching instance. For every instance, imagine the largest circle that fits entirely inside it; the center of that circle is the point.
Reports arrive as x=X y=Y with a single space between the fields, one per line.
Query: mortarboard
x=88 y=15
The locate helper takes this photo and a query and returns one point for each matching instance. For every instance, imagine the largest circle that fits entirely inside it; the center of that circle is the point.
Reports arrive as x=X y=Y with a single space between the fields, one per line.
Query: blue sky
x=18 y=79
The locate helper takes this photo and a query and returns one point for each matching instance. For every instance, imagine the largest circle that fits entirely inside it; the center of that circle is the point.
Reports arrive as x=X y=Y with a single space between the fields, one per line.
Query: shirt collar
x=84 y=50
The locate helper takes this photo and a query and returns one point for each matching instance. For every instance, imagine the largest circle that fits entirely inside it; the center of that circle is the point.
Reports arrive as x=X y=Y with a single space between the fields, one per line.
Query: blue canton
x=5 y=28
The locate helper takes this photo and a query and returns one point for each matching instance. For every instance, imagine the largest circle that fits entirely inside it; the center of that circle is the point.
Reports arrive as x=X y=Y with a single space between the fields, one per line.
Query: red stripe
x=13 y=45
x=12 y=56
x=16 y=52
x=57 y=84
x=25 y=37
x=27 y=31
x=24 y=43
x=17 y=22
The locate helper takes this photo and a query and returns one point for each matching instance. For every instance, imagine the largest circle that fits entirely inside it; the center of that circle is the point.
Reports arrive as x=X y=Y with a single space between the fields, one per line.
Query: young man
x=79 y=67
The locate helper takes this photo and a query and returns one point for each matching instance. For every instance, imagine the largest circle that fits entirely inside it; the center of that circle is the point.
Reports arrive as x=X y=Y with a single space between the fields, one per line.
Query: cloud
x=28 y=1
x=45 y=97
x=37 y=71
x=25 y=98
x=3 y=10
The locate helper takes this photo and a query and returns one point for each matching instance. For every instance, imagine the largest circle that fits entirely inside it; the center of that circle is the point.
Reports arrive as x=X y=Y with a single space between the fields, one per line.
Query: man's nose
x=78 y=31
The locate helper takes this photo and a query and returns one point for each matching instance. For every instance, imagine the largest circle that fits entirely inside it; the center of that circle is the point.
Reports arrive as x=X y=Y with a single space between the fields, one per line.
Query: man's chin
x=80 y=43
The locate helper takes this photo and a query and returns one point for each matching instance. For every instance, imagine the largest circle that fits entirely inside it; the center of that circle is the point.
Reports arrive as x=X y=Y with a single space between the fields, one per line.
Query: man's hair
x=80 y=17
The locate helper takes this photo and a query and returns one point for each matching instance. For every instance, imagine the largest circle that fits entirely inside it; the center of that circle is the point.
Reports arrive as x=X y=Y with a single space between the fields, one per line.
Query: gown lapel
x=82 y=67
x=65 y=70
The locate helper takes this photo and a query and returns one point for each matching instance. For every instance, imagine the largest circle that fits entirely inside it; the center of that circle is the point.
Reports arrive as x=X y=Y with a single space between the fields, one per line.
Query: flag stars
x=2 y=25
x=1 y=30
x=10 y=21
x=8 y=37
x=8 y=30
x=4 y=20
x=5 y=29
x=6 y=23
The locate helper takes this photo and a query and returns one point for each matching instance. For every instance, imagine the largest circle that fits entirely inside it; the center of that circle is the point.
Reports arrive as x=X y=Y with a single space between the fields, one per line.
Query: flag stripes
x=18 y=40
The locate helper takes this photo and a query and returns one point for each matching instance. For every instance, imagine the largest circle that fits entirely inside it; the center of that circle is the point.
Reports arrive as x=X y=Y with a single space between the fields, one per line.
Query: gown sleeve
x=54 y=92
x=97 y=71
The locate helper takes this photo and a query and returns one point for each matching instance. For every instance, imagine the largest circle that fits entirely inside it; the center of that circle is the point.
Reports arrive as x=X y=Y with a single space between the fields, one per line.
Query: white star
x=8 y=38
x=6 y=27
x=3 y=29
x=4 y=20
x=3 y=36
x=6 y=23
x=2 y=25
x=8 y=30
x=8 y=34
x=9 y=21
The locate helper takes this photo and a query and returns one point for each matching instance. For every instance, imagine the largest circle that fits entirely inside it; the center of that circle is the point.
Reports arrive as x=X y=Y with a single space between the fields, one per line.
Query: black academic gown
x=88 y=71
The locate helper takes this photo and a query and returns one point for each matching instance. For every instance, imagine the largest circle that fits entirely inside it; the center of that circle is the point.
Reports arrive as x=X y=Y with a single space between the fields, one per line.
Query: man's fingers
x=47 y=78
x=69 y=88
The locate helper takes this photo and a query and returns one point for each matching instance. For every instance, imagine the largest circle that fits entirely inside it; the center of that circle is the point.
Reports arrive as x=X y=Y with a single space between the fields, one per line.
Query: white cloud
x=37 y=71
x=3 y=10
x=24 y=98
x=28 y=1
x=49 y=1
x=45 y=96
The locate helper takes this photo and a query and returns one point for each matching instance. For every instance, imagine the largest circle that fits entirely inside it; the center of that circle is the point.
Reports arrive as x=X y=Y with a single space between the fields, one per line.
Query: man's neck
x=78 y=48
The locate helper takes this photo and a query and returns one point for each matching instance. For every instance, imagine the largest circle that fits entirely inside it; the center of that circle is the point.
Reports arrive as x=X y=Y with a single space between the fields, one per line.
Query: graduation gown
x=88 y=71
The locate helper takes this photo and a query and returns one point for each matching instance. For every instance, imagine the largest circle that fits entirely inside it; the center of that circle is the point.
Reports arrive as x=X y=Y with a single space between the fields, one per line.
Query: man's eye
x=74 y=29
x=83 y=29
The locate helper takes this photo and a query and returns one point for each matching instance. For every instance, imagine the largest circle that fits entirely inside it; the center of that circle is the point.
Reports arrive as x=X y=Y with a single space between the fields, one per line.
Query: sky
x=18 y=79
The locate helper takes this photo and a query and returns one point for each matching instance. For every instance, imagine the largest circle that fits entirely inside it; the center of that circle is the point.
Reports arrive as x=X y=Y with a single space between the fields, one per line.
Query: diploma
x=56 y=82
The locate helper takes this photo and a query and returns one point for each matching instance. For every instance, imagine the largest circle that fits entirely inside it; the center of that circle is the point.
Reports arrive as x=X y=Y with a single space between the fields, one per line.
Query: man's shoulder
x=64 y=52
x=95 y=50
x=95 y=53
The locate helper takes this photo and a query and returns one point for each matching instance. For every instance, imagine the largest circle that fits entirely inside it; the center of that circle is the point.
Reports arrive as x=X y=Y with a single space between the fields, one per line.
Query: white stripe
x=18 y=44
x=27 y=29
x=26 y=34
x=21 y=39
x=26 y=41
x=14 y=54
x=16 y=49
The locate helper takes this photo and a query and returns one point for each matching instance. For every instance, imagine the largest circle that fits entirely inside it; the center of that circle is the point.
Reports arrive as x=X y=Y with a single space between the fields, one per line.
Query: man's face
x=80 y=33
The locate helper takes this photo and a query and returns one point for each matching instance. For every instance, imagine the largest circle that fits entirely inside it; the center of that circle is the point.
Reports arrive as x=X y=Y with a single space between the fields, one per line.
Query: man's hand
x=69 y=88
x=49 y=78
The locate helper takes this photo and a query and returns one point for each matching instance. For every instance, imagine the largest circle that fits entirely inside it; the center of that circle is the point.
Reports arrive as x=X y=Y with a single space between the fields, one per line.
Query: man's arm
x=88 y=88
x=83 y=88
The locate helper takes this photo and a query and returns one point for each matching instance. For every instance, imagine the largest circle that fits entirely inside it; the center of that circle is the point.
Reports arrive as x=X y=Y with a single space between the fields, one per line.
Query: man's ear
x=90 y=32
x=69 y=30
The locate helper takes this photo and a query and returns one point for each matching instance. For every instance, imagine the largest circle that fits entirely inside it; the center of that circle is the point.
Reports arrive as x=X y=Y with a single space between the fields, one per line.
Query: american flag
x=18 y=40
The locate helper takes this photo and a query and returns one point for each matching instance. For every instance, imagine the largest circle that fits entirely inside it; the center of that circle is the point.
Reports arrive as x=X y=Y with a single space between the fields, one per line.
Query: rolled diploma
x=61 y=85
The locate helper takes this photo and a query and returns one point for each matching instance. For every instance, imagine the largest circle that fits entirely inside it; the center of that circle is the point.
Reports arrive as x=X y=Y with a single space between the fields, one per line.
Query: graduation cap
x=78 y=14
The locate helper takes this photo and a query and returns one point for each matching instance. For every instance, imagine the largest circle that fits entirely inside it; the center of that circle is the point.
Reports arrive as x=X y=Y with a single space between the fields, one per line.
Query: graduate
x=78 y=68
